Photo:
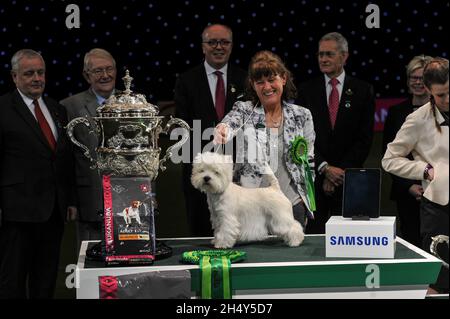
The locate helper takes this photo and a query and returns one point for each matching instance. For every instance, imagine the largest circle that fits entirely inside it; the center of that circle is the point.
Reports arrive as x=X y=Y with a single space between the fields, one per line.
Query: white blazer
x=420 y=136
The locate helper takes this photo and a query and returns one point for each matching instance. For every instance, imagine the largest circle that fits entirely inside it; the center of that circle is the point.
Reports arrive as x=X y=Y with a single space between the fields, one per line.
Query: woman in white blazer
x=425 y=135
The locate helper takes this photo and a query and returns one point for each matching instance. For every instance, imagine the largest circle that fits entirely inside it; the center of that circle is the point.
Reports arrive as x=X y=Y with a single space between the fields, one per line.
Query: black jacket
x=396 y=117
x=193 y=97
x=33 y=179
x=348 y=145
x=194 y=101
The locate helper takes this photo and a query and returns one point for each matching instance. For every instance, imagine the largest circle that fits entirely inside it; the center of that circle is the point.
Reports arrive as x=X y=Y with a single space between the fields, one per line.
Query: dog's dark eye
x=216 y=172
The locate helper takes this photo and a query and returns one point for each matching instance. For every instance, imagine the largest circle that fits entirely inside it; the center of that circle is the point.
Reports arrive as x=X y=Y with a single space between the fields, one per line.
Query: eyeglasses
x=31 y=73
x=328 y=54
x=100 y=71
x=214 y=43
x=416 y=78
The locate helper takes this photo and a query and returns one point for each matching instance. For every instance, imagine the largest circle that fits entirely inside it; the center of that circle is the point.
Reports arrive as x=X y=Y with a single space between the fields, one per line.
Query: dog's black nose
x=206 y=179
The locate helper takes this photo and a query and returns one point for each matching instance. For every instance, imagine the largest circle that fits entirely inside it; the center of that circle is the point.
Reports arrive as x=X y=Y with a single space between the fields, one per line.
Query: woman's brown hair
x=435 y=72
x=267 y=64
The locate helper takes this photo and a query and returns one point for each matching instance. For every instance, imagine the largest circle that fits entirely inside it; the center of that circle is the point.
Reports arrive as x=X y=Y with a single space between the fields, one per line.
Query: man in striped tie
x=36 y=182
x=203 y=95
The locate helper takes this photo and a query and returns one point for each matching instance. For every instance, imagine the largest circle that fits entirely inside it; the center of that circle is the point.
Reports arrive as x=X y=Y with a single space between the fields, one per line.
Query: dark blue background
x=157 y=40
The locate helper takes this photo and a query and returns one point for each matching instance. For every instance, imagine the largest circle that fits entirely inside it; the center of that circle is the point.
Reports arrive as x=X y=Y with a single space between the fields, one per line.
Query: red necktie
x=44 y=125
x=333 y=101
x=220 y=96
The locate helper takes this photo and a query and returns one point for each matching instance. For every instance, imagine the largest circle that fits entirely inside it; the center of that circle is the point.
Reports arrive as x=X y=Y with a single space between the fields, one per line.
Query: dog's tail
x=271 y=179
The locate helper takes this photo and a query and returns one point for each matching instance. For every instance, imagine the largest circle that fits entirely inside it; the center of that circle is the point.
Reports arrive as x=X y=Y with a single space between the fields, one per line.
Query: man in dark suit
x=343 y=112
x=36 y=178
x=206 y=93
x=99 y=70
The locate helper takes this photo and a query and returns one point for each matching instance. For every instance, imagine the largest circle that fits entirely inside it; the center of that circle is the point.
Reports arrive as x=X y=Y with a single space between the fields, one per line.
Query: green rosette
x=299 y=154
x=215 y=266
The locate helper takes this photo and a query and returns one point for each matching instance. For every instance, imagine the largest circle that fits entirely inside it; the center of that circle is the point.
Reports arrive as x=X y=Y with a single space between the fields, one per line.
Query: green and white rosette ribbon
x=299 y=154
x=215 y=266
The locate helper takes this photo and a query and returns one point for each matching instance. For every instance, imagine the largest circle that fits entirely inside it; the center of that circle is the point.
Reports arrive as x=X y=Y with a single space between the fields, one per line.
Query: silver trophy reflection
x=128 y=129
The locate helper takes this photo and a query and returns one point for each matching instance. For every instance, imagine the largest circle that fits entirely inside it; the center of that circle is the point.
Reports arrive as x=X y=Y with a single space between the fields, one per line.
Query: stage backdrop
x=157 y=40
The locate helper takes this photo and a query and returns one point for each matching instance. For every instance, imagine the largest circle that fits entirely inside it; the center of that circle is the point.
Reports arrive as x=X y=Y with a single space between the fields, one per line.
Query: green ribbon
x=215 y=267
x=299 y=154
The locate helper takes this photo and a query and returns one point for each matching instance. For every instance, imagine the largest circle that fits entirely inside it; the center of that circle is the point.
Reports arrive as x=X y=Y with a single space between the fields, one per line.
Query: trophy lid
x=127 y=103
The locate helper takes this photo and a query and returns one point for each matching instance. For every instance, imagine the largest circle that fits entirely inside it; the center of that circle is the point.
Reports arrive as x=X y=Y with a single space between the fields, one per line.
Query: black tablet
x=362 y=189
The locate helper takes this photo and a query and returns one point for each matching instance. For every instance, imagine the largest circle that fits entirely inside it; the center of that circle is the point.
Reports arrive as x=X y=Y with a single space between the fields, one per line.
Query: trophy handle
x=71 y=126
x=439 y=239
x=176 y=146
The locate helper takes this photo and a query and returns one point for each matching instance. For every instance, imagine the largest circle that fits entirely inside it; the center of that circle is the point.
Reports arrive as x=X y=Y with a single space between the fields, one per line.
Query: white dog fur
x=243 y=214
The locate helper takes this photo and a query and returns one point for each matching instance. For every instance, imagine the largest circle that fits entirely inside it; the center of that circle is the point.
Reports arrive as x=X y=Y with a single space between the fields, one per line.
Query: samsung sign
x=374 y=238
x=359 y=241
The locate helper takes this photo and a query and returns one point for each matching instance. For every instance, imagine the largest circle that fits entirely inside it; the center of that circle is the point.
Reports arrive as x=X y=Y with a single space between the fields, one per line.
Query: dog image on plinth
x=132 y=212
x=241 y=214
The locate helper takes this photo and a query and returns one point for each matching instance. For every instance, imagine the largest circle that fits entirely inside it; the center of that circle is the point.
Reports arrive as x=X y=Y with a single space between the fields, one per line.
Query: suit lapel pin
x=348 y=92
x=232 y=88
x=56 y=120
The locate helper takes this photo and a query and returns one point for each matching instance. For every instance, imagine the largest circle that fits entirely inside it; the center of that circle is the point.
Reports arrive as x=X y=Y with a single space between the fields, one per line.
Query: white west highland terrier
x=243 y=214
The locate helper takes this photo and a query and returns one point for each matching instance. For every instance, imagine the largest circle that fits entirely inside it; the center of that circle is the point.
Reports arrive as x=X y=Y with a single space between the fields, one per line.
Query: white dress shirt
x=29 y=103
x=101 y=99
x=328 y=87
x=212 y=79
x=339 y=86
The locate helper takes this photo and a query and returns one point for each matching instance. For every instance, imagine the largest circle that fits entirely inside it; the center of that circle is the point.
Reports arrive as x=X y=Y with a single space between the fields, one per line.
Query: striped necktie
x=45 y=127
x=220 y=96
x=333 y=101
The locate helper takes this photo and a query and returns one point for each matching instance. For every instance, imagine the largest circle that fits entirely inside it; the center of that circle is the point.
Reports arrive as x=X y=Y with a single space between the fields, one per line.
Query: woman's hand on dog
x=220 y=134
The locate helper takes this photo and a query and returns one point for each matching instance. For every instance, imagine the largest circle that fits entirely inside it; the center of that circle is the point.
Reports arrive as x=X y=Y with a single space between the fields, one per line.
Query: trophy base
x=162 y=250
x=95 y=253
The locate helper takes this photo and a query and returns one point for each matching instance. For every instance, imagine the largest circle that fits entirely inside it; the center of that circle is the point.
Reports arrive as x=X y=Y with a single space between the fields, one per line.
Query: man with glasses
x=100 y=72
x=36 y=182
x=207 y=92
x=343 y=112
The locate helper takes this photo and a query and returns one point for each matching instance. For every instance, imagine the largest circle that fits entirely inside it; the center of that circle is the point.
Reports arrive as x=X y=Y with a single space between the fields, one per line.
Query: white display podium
x=374 y=238
x=273 y=270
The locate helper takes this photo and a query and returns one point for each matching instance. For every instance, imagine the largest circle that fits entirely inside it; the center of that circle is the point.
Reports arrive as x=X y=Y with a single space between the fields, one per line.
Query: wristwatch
x=425 y=172
x=323 y=169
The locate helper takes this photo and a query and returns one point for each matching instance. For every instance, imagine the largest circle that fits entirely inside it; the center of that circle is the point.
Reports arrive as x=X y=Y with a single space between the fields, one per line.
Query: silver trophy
x=128 y=128
x=435 y=241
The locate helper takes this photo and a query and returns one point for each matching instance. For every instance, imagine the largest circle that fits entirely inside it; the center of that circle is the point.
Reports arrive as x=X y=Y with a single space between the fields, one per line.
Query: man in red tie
x=36 y=182
x=203 y=95
x=343 y=112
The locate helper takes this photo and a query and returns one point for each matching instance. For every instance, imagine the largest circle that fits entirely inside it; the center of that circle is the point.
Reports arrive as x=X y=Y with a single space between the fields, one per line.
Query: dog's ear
x=198 y=158
x=267 y=170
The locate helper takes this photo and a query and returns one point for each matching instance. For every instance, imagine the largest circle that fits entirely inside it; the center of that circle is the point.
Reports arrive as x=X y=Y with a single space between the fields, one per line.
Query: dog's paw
x=222 y=246
x=295 y=241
